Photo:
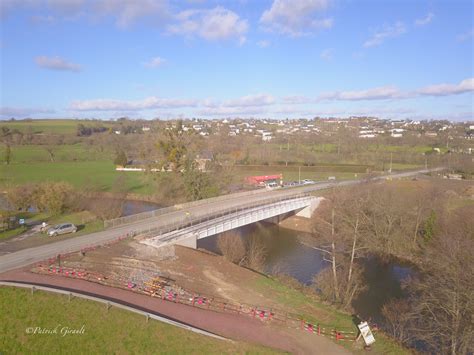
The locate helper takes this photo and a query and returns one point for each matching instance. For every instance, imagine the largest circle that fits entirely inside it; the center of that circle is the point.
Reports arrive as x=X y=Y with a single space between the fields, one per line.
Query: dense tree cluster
x=52 y=197
x=421 y=225
x=84 y=130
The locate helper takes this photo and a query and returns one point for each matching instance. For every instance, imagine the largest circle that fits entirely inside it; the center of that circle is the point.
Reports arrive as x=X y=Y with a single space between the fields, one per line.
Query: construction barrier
x=163 y=288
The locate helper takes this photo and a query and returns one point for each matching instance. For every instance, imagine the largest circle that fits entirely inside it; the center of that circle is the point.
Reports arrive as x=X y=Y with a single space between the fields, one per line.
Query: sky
x=237 y=58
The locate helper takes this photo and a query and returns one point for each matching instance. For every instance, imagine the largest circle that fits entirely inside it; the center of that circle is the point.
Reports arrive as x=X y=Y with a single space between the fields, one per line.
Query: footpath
x=232 y=326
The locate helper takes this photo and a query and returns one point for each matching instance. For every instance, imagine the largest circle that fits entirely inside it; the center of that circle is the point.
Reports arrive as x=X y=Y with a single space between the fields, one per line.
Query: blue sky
x=265 y=58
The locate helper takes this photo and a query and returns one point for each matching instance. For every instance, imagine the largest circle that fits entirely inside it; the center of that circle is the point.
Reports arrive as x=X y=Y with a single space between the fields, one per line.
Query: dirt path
x=228 y=325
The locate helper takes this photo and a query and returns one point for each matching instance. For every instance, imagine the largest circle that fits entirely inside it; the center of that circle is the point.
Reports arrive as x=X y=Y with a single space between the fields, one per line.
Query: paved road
x=32 y=255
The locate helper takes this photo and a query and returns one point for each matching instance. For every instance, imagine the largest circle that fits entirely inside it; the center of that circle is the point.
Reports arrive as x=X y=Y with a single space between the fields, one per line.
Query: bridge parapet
x=191 y=220
x=222 y=222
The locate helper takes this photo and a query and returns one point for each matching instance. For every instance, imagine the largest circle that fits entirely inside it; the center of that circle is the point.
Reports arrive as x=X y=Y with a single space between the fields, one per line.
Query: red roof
x=262 y=178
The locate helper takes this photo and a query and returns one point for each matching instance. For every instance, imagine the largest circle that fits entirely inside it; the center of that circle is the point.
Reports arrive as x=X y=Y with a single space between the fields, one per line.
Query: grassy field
x=84 y=166
x=56 y=126
x=316 y=312
x=105 y=332
x=62 y=153
x=332 y=148
x=12 y=233
x=101 y=175
x=98 y=175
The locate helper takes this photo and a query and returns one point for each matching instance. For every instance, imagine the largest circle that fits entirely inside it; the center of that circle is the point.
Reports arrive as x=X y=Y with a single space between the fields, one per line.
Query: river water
x=285 y=254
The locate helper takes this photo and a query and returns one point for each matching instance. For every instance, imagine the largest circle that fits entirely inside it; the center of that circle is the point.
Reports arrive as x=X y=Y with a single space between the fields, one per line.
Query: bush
x=121 y=159
x=53 y=197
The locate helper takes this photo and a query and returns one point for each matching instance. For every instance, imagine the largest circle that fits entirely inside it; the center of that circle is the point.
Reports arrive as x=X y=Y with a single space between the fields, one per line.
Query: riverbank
x=214 y=278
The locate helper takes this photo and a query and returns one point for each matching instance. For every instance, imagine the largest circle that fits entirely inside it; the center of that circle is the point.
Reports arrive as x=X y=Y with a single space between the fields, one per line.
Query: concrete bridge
x=188 y=222
x=304 y=205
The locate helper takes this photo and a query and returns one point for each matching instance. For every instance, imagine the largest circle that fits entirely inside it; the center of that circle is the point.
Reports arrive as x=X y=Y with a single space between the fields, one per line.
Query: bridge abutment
x=307 y=212
x=190 y=241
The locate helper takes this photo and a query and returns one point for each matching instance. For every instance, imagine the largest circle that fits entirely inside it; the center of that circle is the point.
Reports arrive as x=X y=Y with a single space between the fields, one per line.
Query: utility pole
x=391 y=161
x=299 y=174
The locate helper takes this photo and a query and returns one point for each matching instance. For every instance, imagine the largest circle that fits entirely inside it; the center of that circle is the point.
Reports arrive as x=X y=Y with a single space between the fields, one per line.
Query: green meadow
x=95 y=175
x=53 y=126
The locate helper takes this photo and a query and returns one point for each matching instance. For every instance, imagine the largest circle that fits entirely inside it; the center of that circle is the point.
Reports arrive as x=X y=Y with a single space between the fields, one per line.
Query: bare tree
x=443 y=294
x=399 y=320
x=50 y=150
x=231 y=246
x=256 y=254
x=336 y=229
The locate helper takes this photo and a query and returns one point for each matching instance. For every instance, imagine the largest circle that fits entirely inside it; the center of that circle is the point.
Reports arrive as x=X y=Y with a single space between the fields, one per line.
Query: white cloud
x=66 y=7
x=448 y=89
x=241 y=103
x=387 y=32
x=123 y=105
x=296 y=17
x=57 y=63
x=465 y=36
x=263 y=44
x=230 y=111
x=296 y=100
x=124 y=12
x=327 y=54
x=128 y=12
x=40 y=19
x=266 y=103
x=212 y=25
x=154 y=62
x=8 y=112
x=250 y=100
x=379 y=93
x=425 y=20
x=391 y=92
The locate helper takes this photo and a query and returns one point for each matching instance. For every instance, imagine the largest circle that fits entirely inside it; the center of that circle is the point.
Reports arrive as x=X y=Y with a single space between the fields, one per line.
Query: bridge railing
x=288 y=190
x=138 y=217
x=161 y=211
x=195 y=220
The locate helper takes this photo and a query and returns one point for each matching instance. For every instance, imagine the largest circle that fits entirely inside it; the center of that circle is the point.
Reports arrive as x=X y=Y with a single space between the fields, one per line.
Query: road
x=32 y=255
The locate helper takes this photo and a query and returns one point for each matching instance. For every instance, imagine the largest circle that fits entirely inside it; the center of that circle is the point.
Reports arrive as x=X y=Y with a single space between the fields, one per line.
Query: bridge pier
x=272 y=220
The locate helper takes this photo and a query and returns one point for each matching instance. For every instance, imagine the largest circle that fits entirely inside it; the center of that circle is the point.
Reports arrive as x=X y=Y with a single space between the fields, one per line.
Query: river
x=285 y=254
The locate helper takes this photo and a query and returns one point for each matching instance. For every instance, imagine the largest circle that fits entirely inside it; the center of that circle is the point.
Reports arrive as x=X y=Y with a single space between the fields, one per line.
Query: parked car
x=272 y=185
x=63 y=228
x=307 y=182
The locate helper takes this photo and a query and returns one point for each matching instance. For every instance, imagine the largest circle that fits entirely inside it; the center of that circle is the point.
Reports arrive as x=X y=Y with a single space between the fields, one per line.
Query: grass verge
x=313 y=310
x=105 y=331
